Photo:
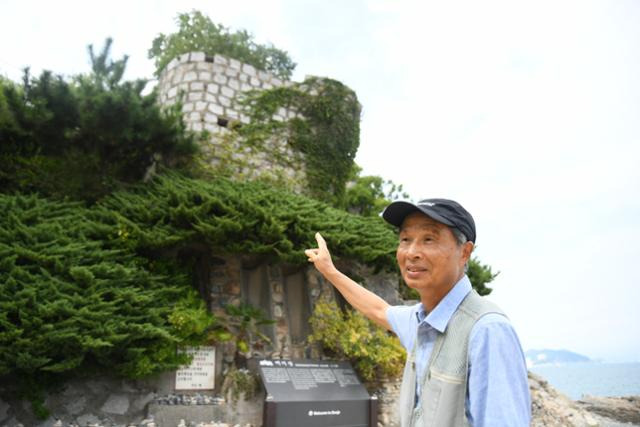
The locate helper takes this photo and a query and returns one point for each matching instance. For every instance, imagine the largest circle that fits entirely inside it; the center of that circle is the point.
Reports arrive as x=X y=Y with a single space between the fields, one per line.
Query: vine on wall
x=326 y=131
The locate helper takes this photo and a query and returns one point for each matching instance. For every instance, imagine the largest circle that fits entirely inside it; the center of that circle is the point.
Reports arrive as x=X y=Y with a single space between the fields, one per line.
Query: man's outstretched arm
x=363 y=300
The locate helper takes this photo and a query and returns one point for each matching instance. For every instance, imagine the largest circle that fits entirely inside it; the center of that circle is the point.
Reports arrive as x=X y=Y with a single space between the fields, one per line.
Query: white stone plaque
x=200 y=374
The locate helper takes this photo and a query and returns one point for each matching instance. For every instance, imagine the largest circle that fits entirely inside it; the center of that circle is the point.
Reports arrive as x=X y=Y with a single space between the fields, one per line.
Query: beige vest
x=444 y=386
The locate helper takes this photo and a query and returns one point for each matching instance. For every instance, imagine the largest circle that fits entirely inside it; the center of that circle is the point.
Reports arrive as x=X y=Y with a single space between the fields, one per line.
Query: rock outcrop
x=621 y=409
x=551 y=408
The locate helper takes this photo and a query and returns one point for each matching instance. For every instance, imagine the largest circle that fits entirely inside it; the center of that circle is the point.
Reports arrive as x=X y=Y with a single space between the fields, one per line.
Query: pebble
x=189 y=399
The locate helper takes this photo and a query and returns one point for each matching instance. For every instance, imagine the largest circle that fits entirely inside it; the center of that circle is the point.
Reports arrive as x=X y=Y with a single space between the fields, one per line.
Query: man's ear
x=467 y=249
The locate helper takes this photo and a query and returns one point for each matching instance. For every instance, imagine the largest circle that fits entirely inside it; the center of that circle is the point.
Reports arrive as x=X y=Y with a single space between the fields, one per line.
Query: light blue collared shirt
x=497 y=388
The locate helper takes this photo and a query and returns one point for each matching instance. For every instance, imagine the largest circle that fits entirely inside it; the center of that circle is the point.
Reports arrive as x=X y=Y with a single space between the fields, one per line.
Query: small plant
x=241 y=323
x=239 y=382
x=374 y=353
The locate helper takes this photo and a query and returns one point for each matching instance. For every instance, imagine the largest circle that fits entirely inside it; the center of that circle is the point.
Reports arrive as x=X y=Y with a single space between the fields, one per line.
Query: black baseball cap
x=445 y=211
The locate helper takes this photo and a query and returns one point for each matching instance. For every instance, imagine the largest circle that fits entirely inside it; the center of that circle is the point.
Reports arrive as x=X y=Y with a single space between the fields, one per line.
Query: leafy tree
x=480 y=275
x=83 y=138
x=369 y=195
x=198 y=33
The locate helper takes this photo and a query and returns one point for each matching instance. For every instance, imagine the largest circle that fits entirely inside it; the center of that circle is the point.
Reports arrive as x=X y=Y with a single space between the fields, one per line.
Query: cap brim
x=396 y=212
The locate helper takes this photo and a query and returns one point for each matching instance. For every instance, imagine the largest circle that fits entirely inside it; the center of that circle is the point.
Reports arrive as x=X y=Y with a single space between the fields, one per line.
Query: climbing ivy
x=326 y=130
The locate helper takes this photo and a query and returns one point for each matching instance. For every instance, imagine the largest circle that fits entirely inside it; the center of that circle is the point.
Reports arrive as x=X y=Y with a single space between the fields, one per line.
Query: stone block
x=142 y=401
x=205 y=66
x=218 y=69
x=231 y=72
x=190 y=76
x=243 y=77
x=210 y=118
x=245 y=119
x=201 y=105
x=172 y=64
x=196 y=86
x=172 y=92
x=76 y=405
x=195 y=96
x=234 y=84
x=87 y=419
x=219 y=59
x=210 y=127
x=116 y=404
x=224 y=101
x=187 y=107
x=210 y=98
x=216 y=109
x=264 y=76
x=204 y=76
x=184 y=58
x=228 y=92
x=197 y=56
x=195 y=126
x=249 y=69
x=277 y=310
x=220 y=79
x=245 y=86
x=255 y=82
x=235 y=64
x=213 y=88
x=194 y=116
x=177 y=78
x=232 y=114
x=4 y=409
x=97 y=386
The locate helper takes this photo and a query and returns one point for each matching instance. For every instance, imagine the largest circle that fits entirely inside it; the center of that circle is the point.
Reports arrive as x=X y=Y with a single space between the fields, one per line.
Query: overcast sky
x=528 y=113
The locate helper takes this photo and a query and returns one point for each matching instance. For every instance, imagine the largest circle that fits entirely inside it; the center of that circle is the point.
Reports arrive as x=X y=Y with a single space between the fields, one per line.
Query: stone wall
x=105 y=401
x=209 y=88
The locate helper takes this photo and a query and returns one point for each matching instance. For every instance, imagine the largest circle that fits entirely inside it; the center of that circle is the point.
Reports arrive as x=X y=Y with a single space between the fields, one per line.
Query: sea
x=592 y=378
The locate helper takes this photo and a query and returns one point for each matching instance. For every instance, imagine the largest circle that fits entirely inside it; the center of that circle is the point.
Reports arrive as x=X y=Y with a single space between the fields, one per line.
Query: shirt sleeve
x=498 y=385
x=403 y=322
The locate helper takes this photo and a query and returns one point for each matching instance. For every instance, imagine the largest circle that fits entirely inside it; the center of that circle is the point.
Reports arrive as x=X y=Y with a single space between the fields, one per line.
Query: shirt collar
x=439 y=317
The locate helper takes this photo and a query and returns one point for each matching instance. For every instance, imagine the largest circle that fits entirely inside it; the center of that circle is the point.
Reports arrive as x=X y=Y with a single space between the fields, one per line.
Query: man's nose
x=413 y=250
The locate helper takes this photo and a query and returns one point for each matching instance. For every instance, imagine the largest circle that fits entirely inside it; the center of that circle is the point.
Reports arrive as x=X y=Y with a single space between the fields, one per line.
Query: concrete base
x=243 y=413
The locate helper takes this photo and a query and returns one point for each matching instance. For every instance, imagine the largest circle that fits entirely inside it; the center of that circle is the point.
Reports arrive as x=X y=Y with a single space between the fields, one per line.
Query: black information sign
x=314 y=393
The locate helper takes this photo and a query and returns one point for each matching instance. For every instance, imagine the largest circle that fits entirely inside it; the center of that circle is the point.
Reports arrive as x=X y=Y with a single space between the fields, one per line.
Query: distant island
x=546 y=357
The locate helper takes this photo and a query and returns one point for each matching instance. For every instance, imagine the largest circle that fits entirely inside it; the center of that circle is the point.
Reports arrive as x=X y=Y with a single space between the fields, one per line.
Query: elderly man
x=464 y=362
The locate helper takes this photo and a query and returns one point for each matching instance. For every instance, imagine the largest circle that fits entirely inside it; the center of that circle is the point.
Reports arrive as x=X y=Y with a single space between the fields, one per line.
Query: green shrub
x=374 y=353
x=231 y=217
x=73 y=296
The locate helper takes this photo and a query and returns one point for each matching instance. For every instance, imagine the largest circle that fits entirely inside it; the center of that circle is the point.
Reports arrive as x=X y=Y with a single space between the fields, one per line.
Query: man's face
x=429 y=257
